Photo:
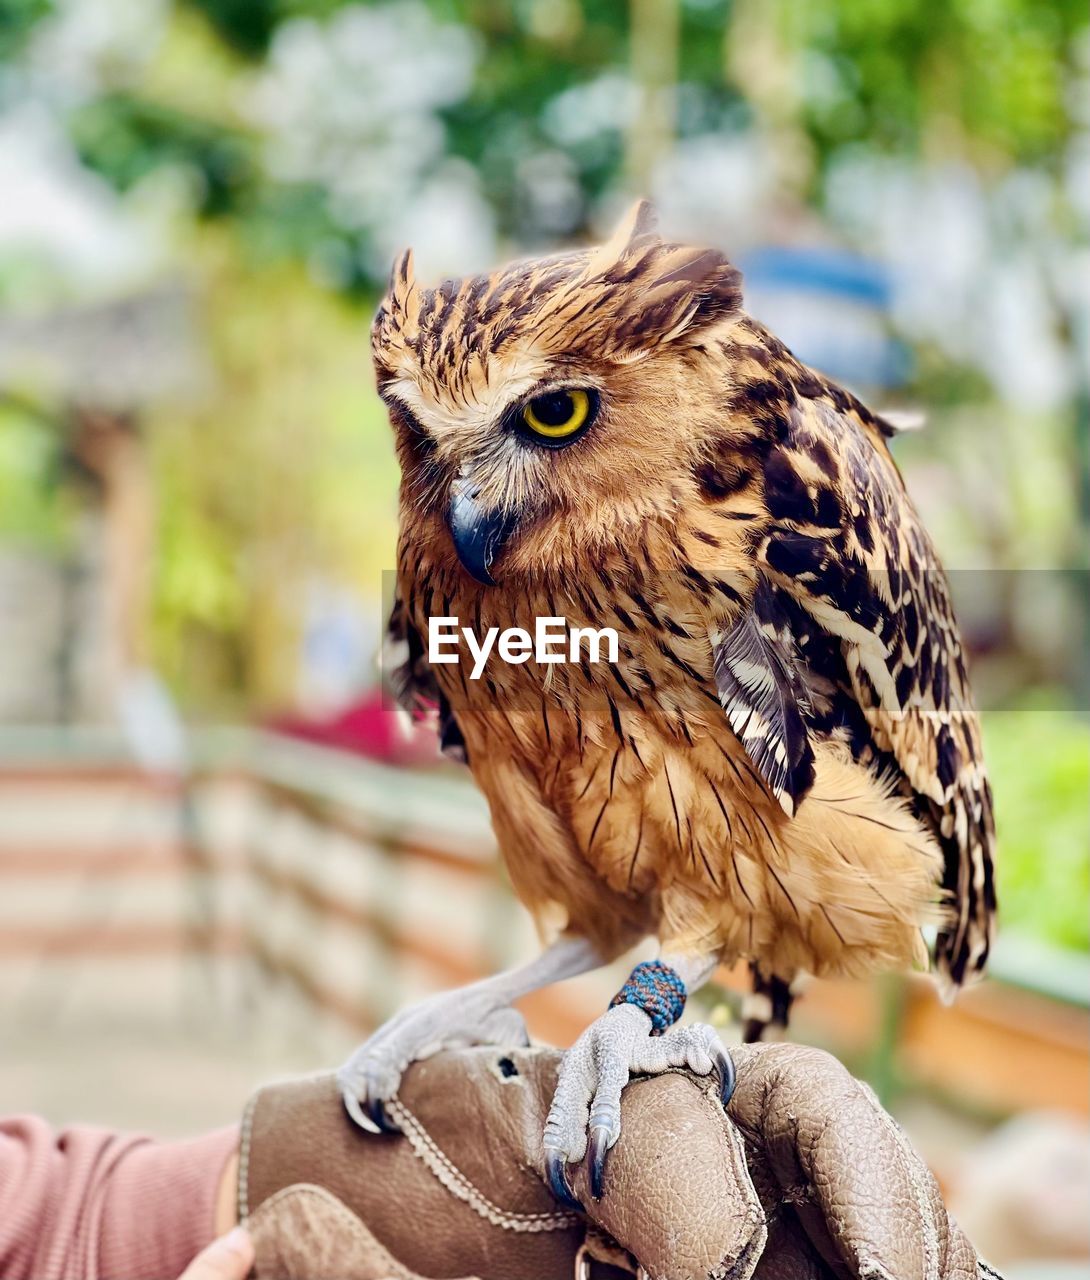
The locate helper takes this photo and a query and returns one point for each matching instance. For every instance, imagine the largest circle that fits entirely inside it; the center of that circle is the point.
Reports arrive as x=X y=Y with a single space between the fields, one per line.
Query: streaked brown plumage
x=785 y=763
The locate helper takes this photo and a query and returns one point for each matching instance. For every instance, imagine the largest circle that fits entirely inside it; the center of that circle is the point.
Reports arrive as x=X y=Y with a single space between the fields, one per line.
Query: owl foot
x=585 y=1117
x=450 y=1020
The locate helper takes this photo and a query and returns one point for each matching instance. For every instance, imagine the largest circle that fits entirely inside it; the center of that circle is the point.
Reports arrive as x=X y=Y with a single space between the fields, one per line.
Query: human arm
x=106 y=1206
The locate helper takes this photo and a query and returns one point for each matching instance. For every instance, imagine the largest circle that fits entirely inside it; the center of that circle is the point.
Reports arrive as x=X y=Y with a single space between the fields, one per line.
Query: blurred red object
x=370 y=727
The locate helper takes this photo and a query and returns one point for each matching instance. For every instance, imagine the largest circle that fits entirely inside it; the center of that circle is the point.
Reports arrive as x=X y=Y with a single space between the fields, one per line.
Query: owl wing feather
x=412 y=681
x=844 y=541
x=759 y=685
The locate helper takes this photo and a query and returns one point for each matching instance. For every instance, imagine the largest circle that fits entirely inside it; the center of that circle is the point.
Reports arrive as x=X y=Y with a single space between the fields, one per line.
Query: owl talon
x=585 y=1117
x=727 y=1077
x=556 y=1174
x=367 y=1111
x=598 y=1148
x=356 y=1113
x=377 y=1112
x=370 y=1078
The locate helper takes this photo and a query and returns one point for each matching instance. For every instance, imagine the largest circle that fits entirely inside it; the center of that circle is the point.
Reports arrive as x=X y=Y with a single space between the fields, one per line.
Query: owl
x=782 y=765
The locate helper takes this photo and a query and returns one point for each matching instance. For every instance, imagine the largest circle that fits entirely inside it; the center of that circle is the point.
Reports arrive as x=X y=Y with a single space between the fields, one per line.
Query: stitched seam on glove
x=245 y=1140
x=740 y=1166
x=459 y=1186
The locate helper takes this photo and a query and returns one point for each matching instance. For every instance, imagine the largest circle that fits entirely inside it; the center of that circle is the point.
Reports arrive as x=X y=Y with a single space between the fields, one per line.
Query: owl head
x=559 y=405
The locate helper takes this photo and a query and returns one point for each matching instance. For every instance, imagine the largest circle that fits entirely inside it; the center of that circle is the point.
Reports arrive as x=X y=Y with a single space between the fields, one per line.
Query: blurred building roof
x=119 y=354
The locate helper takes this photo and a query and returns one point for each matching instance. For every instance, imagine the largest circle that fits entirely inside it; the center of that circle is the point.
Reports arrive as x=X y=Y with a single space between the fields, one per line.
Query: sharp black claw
x=556 y=1171
x=355 y=1111
x=597 y=1150
x=378 y=1115
x=727 y=1081
x=368 y=1113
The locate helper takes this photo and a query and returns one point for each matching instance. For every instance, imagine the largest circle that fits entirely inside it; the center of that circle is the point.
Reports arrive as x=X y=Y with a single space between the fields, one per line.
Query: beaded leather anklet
x=656 y=989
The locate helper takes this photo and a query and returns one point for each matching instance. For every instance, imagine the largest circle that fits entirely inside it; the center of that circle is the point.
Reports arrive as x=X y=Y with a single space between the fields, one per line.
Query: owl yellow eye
x=555 y=417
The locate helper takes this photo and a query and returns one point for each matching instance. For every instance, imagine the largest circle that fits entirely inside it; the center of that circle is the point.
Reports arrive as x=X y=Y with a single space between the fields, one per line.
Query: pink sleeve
x=97 y=1205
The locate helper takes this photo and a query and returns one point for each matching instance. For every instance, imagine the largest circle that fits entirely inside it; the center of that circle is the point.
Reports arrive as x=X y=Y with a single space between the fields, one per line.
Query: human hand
x=843 y=1190
x=230 y=1257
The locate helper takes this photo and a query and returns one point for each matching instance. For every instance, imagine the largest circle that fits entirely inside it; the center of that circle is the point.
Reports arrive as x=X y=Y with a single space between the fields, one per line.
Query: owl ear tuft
x=401 y=275
x=664 y=293
x=397 y=320
x=403 y=296
x=640 y=220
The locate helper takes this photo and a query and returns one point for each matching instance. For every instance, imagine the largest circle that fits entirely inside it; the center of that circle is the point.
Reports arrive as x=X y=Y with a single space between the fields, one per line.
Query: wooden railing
x=361 y=887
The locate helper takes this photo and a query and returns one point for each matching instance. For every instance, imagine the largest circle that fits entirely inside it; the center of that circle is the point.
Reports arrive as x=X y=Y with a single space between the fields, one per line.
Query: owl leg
x=635 y=1036
x=481 y=1013
x=767 y=1009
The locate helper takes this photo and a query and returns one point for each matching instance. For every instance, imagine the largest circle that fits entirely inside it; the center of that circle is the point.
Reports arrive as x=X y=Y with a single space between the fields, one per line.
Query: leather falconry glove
x=805 y=1177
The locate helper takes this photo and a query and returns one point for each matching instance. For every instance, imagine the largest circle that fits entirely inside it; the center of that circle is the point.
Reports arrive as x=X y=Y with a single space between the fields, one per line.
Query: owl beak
x=479 y=535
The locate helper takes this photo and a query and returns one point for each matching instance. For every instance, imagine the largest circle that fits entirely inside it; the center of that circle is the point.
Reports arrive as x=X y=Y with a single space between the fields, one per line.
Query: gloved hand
x=805 y=1177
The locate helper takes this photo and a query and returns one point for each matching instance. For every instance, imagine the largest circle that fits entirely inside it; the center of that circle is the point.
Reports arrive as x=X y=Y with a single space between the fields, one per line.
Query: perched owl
x=783 y=763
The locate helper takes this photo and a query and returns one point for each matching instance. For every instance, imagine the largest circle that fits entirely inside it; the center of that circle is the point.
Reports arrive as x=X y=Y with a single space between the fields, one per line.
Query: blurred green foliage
x=302 y=482
x=35 y=509
x=125 y=138
x=17 y=20
x=991 y=73
x=985 y=80
x=1039 y=761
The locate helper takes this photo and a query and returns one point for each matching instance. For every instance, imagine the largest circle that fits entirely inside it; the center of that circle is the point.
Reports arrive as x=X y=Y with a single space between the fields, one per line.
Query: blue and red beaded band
x=656 y=989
